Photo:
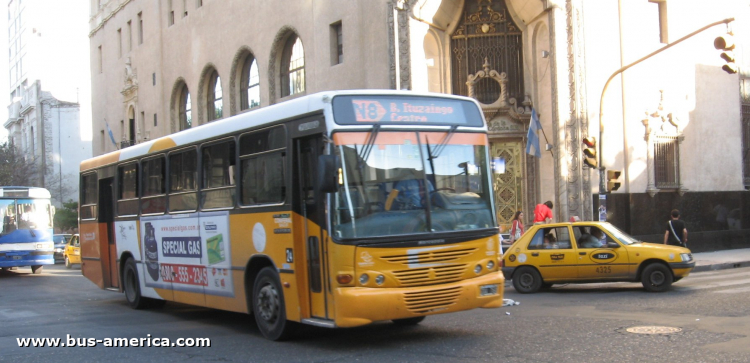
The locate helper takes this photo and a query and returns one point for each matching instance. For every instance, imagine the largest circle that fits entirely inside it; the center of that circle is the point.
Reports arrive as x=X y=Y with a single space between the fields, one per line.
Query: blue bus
x=26 y=232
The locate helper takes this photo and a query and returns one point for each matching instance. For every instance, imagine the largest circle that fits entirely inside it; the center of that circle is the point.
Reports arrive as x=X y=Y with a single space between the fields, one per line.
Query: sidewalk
x=720 y=260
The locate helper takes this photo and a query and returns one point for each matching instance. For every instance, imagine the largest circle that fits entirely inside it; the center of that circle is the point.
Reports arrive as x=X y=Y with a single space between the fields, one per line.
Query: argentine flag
x=532 y=139
x=109 y=131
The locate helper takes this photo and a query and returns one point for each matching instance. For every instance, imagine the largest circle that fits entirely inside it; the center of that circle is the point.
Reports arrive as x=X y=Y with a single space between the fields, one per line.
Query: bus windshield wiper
x=435 y=152
x=367 y=148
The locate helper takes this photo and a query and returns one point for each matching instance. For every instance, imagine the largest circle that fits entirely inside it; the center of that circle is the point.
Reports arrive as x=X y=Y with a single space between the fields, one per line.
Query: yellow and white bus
x=336 y=209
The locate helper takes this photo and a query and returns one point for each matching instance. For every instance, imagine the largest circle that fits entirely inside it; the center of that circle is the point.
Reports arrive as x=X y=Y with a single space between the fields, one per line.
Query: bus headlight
x=478 y=269
x=363 y=279
x=380 y=279
x=490 y=265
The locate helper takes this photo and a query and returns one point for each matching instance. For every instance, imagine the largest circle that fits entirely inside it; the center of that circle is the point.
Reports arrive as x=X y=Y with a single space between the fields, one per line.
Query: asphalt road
x=570 y=323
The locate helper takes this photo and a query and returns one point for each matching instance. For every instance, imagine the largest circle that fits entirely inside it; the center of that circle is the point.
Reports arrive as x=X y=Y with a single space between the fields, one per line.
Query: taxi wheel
x=408 y=321
x=68 y=265
x=527 y=280
x=656 y=277
x=268 y=305
x=132 y=286
x=37 y=269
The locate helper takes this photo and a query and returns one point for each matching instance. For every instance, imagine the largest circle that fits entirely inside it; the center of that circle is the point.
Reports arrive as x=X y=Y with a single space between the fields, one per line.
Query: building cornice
x=106 y=18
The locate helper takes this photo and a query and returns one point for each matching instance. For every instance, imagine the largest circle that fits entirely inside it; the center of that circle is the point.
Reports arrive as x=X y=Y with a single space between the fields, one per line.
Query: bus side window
x=263 y=161
x=154 y=199
x=218 y=168
x=183 y=175
x=89 y=193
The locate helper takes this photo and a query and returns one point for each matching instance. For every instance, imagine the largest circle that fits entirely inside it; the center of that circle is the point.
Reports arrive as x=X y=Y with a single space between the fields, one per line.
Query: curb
x=721 y=266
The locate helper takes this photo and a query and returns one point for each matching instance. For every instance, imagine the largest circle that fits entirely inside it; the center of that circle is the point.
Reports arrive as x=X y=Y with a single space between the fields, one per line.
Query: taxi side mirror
x=612 y=244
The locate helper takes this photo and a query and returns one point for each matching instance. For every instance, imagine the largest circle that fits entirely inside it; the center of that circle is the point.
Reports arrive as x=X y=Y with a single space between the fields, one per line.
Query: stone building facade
x=162 y=66
x=47 y=131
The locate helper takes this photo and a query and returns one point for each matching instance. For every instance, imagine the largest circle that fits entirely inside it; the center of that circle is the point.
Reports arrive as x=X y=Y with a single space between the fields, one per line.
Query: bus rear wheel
x=37 y=269
x=132 y=286
x=268 y=305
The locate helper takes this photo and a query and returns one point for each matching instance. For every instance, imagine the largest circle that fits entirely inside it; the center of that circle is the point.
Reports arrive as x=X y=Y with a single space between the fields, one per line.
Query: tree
x=16 y=168
x=67 y=216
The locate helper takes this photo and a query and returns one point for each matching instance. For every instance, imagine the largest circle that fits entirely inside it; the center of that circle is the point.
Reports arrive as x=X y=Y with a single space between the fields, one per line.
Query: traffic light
x=725 y=43
x=612 y=182
x=589 y=152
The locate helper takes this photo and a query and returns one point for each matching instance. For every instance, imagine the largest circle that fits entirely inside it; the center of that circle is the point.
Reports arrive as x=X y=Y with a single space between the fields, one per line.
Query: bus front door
x=106 y=230
x=308 y=203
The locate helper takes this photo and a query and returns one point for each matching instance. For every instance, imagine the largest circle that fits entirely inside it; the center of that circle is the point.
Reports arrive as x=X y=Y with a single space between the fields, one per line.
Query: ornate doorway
x=508 y=185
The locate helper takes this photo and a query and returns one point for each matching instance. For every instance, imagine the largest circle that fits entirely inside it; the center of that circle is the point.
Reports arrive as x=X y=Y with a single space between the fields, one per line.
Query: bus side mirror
x=327 y=176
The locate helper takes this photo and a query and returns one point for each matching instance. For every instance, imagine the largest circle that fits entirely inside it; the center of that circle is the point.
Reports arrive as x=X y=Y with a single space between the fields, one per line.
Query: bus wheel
x=268 y=305
x=37 y=269
x=133 y=286
x=408 y=321
x=68 y=265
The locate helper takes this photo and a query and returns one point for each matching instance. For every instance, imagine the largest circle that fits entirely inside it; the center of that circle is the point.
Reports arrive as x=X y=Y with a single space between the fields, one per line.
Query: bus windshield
x=396 y=183
x=33 y=214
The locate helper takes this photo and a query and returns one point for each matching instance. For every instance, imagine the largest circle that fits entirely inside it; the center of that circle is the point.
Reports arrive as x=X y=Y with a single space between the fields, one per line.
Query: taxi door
x=556 y=261
x=601 y=263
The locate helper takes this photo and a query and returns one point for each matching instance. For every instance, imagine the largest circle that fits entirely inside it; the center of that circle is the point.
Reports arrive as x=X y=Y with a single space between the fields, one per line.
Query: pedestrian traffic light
x=589 y=152
x=612 y=180
x=725 y=43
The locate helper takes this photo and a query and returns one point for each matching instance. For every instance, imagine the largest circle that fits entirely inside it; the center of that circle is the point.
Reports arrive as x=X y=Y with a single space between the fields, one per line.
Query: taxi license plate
x=16 y=257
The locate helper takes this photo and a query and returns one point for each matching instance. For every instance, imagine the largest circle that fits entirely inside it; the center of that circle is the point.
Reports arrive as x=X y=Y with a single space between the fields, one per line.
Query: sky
x=4 y=78
x=61 y=60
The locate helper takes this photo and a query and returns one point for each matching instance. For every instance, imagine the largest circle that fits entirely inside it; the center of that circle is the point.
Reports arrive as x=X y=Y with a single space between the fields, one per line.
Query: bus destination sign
x=407 y=109
x=373 y=111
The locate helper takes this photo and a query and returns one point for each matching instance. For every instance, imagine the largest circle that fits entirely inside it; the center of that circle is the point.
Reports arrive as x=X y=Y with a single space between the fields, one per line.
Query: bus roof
x=300 y=106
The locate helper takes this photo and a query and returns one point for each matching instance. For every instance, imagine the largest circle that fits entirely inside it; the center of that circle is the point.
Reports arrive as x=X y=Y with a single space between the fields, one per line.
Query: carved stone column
x=560 y=112
x=398 y=44
x=578 y=183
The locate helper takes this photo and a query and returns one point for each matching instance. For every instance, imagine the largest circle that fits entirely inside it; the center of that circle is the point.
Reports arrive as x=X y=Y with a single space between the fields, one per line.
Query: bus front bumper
x=357 y=306
x=35 y=259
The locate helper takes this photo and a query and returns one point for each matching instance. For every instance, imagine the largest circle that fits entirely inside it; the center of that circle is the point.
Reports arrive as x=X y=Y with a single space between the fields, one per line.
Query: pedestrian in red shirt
x=543 y=213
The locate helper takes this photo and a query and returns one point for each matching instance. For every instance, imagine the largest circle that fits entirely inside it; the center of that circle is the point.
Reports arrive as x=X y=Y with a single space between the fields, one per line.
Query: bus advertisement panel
x=188 y=252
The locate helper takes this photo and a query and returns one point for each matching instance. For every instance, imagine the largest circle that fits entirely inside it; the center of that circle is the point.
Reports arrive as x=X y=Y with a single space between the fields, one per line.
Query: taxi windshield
x=625 y=238
x=395 y=183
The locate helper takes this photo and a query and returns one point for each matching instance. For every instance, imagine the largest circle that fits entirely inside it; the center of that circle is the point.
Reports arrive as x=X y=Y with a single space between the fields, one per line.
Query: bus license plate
x=486 y=290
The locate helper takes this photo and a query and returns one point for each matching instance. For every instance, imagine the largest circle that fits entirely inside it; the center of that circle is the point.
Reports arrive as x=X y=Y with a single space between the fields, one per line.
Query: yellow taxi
x=72 y=252
x=580 y=252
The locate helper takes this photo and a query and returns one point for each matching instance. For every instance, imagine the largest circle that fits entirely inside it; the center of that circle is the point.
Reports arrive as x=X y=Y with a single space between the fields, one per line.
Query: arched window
x=293 y=67
x=487 y=33
x=186 y=112
x=214 y=100
x=250 y=84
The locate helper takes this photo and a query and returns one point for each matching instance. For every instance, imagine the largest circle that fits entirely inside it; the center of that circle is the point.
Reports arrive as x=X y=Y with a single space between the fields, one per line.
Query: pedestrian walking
x=543 y=213
x=676 y=233
x=516 y=227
